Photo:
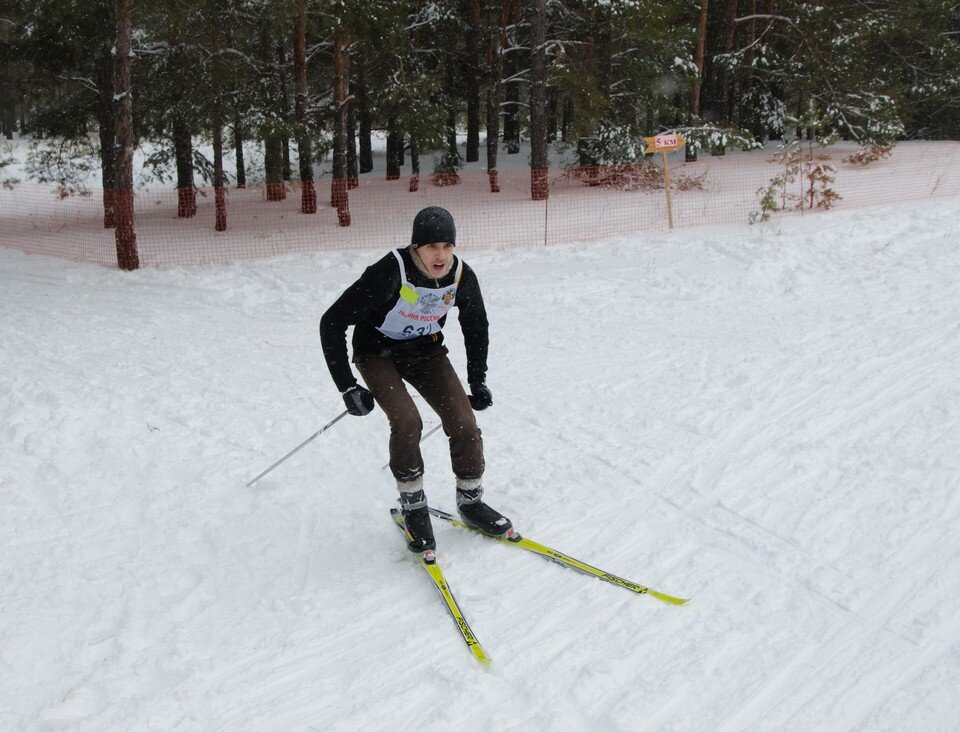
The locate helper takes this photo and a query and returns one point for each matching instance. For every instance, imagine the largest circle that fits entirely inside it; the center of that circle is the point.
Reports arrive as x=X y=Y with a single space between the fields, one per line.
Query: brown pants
x=431 y=374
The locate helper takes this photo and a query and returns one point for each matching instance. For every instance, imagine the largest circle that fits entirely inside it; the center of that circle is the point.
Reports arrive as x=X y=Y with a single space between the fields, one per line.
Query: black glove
x=359 y=401
x=480 y=397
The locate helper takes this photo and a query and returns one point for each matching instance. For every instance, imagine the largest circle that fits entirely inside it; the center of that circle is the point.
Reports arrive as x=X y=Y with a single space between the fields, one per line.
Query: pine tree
x=498 y=18
x=539 y=162
x=308 y=195
x=218 y=111
x=472 y=73
x=64 y=53
x=621 y=65
x=126 y=239
x=864 y=69
x=341 y=60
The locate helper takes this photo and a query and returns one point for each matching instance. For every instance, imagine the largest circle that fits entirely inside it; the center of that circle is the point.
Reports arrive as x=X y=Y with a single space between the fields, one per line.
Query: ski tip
x=670 y=599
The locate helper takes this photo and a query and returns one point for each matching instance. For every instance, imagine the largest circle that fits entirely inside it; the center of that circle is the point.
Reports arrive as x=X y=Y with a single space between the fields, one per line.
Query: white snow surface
x=766 y=420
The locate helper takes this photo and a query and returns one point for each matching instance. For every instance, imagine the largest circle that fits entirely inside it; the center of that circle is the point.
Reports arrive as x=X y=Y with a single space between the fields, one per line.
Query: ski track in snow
x=766 y=420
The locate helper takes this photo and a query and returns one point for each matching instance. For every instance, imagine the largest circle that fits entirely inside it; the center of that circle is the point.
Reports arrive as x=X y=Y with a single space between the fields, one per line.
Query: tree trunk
x=107 y=118
x=308 y=194
x=730 y=29
x=774 y=87
x=273 y=104
x=511 y=107
x=8 y=116
x=8 y=92
x=219 y=194
x=238 y=151
x=125 y=236
x=182 y=140
x=553 y=108
x=602 y=51
x=183 y=152
x=283 y=107
x=273 y=167
x=494 y=30
x=414 y=164
x=473 y=84
x=749 y=79
x=691 y=152
x=473 y=125
x=539 y=163
x=452 y=149
x=585 y=157
x=338 y=190
x=394 y=147
x=453 y=153
x=353 y=175
x=566 y=119
x=364 y=121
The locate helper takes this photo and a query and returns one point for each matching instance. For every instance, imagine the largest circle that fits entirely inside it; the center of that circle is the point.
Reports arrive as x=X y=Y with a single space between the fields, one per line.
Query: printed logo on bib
x=430 y=302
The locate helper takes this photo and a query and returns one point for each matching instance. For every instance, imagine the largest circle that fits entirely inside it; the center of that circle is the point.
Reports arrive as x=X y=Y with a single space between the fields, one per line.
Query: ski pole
x=421 y=442
x=299 y=447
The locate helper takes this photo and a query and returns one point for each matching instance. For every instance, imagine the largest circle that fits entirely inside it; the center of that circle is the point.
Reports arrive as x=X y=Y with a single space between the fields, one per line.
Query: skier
x=398 y=307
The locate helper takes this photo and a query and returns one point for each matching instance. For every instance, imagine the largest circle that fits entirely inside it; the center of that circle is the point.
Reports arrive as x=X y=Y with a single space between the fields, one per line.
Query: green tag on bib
x=409 y=294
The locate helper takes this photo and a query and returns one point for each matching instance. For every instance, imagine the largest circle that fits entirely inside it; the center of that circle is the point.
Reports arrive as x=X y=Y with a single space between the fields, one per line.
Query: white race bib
x=418 y=309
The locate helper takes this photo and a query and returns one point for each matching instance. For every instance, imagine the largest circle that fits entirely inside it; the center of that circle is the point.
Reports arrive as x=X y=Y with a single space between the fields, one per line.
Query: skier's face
x=437 y=258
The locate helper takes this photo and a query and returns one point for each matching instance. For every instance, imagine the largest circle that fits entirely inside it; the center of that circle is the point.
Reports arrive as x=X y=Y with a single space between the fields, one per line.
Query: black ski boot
x=416 y=517
x=478 y=515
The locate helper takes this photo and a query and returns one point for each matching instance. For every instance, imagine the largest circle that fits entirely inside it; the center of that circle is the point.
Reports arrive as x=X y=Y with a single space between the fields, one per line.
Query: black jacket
x=367 y=301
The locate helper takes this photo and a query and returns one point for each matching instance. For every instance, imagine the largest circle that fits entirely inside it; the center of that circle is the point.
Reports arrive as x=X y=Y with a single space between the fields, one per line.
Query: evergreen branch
x=519 y=76
x=85 y=82
x=759 y=16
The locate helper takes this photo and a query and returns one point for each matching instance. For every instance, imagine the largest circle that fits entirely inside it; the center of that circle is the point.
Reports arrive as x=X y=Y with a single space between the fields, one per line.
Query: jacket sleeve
x=473 y=322
x=379 y=282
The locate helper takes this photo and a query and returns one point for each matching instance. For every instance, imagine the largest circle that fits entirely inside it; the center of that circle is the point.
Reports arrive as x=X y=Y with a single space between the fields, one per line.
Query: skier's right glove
x=480 y=397
x=359 y=401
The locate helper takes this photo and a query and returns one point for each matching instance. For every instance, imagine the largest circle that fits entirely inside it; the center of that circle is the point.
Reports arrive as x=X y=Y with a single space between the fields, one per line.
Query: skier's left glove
x=480 y=397
x=358 y=400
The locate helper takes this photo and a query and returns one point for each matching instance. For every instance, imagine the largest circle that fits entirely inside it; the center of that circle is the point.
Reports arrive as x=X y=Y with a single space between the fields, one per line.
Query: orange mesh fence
x=174 y=228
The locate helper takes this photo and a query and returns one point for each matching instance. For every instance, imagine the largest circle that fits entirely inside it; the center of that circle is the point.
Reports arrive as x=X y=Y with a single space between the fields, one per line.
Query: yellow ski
x=429 y=562
x=563 y=559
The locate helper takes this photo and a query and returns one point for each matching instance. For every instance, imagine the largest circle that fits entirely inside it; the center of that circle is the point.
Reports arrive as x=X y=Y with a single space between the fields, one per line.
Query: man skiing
x=398 y=308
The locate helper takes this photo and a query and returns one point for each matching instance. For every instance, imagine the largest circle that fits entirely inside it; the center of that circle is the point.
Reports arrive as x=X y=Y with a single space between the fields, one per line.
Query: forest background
x=91 y=81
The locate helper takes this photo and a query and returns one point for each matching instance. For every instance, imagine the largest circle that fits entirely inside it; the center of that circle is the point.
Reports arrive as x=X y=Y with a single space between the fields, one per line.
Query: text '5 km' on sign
x=663 y=143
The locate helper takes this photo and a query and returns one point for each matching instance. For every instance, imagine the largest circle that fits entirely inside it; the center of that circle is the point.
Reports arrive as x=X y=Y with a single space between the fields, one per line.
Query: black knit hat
x=432 y=225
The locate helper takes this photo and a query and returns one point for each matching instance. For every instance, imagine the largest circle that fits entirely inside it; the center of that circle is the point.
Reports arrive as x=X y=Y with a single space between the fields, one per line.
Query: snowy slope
x=765 y=420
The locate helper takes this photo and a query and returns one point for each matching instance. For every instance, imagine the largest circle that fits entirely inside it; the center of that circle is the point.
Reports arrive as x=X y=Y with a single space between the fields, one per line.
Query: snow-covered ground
x=764 y=419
